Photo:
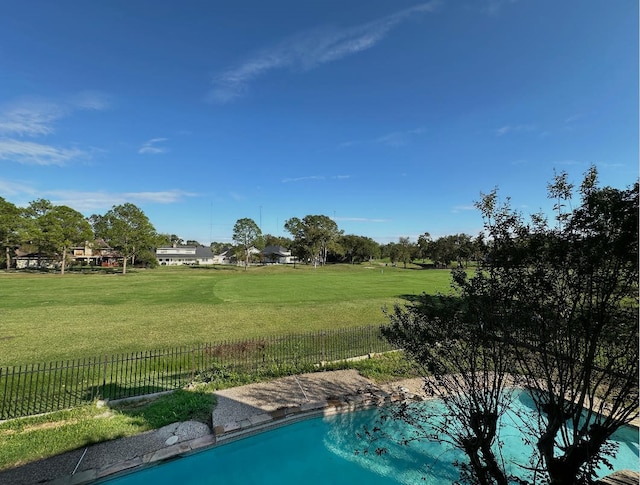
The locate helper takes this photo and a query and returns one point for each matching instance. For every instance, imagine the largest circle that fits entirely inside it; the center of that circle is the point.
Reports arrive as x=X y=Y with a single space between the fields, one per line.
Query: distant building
x=93 y=253
x=96 y=253
x=226 y=256
x=277 y=254
x=190 y=255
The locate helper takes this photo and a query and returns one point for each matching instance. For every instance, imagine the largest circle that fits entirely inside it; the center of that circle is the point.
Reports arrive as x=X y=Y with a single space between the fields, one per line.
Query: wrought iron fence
x=39 y=388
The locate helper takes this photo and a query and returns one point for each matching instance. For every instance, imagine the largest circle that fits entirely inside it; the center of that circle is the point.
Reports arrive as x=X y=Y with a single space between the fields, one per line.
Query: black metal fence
x=39 y=388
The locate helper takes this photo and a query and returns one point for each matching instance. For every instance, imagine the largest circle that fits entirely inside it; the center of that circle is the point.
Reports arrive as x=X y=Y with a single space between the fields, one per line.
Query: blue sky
x=391 y=117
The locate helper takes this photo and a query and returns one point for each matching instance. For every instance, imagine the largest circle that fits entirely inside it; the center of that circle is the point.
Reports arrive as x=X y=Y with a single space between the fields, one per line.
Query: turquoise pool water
x=323 y=451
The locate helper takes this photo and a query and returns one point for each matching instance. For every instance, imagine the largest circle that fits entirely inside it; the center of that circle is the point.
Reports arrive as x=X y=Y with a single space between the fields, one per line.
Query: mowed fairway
x=47 y=317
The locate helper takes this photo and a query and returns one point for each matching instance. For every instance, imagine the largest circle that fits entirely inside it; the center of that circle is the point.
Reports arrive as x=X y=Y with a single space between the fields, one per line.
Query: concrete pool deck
x=240 y=411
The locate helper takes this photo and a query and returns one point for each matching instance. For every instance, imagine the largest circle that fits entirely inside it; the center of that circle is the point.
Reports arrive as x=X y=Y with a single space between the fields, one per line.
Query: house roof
x=276 y=250
x=201 y=252
x=226 y=252
x=204 y=252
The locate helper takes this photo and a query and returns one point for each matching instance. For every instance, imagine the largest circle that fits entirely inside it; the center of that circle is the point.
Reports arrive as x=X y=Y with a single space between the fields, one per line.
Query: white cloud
x=151 y=147
x=315 y=177
x=30 y=153
x=493 y=7
x=507 y=129
x=360 y=219
x=301 y=179
x=92 y=201
x=572 y=119
x=90 y=100
x=29 y=119
x=9 y=188
x=399 y=138
x=32 y=117
x=236 y=196
x=88 y=201
x=394 y=139
x=307 y=51
x=462 y=208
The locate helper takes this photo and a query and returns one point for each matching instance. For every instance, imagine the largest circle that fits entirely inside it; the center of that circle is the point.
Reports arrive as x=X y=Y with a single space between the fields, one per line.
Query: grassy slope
x=48 y=317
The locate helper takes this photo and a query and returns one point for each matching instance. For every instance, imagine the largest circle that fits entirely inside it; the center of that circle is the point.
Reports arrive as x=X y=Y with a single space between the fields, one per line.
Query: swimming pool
x=323 y=451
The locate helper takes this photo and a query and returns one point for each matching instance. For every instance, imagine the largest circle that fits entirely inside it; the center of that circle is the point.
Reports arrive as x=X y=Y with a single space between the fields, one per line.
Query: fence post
x=4 y=395
x=193 y=364
x=104 y=376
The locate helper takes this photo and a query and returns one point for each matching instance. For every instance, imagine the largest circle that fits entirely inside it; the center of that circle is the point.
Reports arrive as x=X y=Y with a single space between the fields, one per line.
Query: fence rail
x=39 y=388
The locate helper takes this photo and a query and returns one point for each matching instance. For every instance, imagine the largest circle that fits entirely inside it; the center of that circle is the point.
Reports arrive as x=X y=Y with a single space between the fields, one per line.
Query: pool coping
x=237 y=430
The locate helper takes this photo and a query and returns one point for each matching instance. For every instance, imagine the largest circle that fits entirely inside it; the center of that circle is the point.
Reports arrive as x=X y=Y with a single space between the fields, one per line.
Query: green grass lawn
x=28 y=439
x=48 y=317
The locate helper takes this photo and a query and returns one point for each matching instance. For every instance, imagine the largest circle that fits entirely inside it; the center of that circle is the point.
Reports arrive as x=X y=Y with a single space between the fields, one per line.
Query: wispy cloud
x=360 y=219
x=302 y=179
x=570 y=163
x=89 y=100
x=10 y=188
x=92 y=201
x=30 y=153
x=86 y=201
x=494 y=7
x=393 y=139
x=33 y=118
x=28 y=119
x=151 y=146
x=572 y=119
x=462 y=208
x=510 y=129
x=314 y=177
x=307 y=51
x=237 y=196
x=399 y=138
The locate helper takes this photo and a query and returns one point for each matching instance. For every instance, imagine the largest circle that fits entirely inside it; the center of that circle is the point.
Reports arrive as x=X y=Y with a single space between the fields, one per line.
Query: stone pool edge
x=236 y=430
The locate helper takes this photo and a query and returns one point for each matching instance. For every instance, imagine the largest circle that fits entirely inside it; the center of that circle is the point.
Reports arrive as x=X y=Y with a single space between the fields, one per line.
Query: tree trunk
x=124 y=266
x=64 y=259
x=8 y=257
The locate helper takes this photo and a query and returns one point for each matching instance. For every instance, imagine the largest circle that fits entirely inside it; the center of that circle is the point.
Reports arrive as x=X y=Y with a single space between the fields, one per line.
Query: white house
x=189 y=255
x=277 y=254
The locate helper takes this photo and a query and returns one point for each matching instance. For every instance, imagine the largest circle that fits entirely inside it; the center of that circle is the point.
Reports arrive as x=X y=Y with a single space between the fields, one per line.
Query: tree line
x=317 y=240
x=51 y=231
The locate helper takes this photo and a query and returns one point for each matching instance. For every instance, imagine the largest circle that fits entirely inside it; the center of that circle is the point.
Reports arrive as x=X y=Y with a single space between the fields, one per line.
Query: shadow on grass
x=411 y=298
x=430 y=303
x=216 y=267
x=115 y=391
x=180 y=405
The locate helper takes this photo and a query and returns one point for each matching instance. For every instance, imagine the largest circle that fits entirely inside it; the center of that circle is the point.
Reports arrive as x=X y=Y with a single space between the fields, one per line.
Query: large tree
x=126 y=229
x=552 y=307
x=33 y=216
x=424 y=243
x=272 y=240
x=11 y=223
x=313 y=237
x=247 y=235
x=62 y=228
x=406 y=250
x=358 y=249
